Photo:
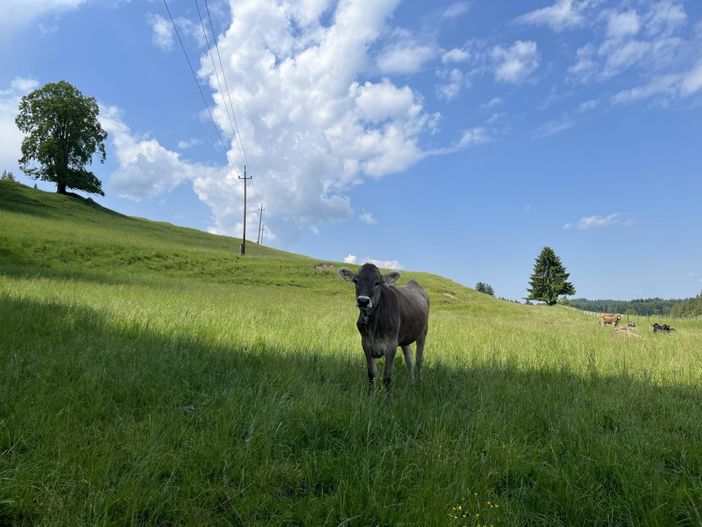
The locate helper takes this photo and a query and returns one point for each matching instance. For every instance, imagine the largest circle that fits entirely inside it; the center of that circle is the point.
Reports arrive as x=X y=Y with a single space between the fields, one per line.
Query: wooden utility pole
x=242 y=247
x=260 y=224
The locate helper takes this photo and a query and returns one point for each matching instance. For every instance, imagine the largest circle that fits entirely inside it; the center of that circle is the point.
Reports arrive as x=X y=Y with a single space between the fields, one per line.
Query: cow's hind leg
x=420 y=354
x=409 y=362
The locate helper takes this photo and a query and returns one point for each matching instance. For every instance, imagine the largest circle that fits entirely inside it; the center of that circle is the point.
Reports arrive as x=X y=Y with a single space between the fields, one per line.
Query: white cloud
x=495 y=117
x=644 y=40
x=624 y=24
x=10 y=136
x=665 y=17
x=670 y=86
x=380 y=101
x=562 y=15
x=184 y=144
x=311 y=125
x=162 y=29
x=455 y=79
x=311 y=122
x=145 y=168
x=588 y=105
x=456 y=9
x=495 y=101
x=599 y=221
x=691 y=81
x=455 y=55
x=367 y=218
x=553 y=127
x=586 y=65
x=404 y=57
x=664 y=85
x=19 y=13
x=471 y=137
x=382 y=264
x=163 y=35
x=514 y=64
x=23 y=85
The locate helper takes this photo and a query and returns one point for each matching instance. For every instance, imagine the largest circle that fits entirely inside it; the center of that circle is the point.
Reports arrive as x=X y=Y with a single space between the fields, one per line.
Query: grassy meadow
x=151 y=376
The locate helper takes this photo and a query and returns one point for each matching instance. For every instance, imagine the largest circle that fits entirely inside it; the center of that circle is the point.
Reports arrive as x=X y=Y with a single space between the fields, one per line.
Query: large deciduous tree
x=62 y=136
x=549 y=279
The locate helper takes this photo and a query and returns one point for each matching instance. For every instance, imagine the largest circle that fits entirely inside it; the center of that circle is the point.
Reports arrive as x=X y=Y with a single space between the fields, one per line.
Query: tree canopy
x=642 y=306
x=62 y=136
x=482 y=287
x=692 y=307
x=549 y=279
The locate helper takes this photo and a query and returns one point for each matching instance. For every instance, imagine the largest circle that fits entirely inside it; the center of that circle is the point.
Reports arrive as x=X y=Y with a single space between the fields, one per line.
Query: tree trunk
x=61 y=187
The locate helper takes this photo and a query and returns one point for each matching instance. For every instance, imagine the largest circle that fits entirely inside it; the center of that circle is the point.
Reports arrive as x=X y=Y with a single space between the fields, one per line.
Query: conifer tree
x=549 y=279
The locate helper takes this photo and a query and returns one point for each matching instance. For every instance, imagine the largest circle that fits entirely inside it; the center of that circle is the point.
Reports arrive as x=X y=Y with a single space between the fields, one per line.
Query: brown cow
x=389 y=317
x=608 y=318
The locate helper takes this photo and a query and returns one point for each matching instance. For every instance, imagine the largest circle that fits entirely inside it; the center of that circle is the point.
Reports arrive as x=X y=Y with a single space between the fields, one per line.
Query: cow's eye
x=377 y=283
x=355 y=281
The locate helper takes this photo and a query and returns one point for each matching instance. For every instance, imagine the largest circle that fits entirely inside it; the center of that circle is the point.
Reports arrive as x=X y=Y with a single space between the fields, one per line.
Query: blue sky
x=457 y=138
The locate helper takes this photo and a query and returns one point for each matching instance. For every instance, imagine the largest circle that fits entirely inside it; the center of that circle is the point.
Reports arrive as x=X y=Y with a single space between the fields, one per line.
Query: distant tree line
x=639 y=306
x=692 y=307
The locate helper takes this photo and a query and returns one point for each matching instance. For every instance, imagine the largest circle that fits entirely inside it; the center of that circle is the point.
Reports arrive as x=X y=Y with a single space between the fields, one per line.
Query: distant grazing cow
x=662 y=328
x=608 y=318
x=389 y=317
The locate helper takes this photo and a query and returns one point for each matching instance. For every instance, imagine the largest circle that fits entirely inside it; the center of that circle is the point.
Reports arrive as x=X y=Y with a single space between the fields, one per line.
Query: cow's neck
x=366 y=316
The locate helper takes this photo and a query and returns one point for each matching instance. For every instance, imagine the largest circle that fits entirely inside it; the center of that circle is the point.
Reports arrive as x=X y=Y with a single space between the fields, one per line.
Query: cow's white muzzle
x=364 y=302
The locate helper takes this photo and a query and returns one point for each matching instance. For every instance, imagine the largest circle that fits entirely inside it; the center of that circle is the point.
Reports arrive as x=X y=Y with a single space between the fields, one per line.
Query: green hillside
x=151 y=376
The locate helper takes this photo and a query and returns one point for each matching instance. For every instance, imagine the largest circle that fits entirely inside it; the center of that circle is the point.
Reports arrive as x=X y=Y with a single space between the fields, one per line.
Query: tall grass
x=150 y=376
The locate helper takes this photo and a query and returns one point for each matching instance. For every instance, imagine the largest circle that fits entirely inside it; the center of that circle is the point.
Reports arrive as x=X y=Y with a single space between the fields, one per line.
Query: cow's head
x=369 y=282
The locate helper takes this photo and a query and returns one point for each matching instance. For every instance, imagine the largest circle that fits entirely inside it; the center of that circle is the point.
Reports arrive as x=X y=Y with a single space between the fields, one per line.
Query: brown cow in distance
x=608 y=318
x=389 y=317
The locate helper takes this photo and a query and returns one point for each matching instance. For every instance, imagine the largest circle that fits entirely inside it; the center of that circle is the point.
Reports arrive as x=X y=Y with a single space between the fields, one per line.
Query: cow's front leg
x=387 y=373
x=409 y=362
x=372 y=370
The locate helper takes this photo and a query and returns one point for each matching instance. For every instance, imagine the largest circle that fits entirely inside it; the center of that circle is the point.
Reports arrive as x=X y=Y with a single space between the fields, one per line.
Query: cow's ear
x=345 y=273
x=391 y=277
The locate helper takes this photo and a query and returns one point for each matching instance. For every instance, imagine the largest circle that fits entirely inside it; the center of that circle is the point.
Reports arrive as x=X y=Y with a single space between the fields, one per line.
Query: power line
x=214 y=66
x=182 y=46
x=240 y=143
x=236 y=134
